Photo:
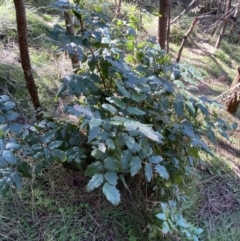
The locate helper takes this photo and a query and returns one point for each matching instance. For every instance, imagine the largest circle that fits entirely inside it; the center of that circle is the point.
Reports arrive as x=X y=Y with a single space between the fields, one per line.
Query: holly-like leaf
x=111 y=177
x=111 y=163
x=165 y=227
x=93 y=168
x=117 y=102
x=191 y=108
x=183 y=223
x=110 y=143
x=9 y=157
x=161 y=216
x=136 y=164
x=110 y=108
x=111 y=193
x=155 y=159
x=16 y=180
x=25 y=169
x=102 y=147
x=148 y=172
x=124 y=92
x=55 y=144
x=13 y=146
x=139 y=97
x=95 y=182
x=135 y=111
x=93 y=133
x=15 y=127
x=11 y=115
x=59 y=155
x=48 y=136
x=161 y=170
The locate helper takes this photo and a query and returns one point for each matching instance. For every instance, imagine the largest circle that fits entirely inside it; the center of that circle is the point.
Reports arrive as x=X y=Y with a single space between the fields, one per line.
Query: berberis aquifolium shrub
x=135 y=117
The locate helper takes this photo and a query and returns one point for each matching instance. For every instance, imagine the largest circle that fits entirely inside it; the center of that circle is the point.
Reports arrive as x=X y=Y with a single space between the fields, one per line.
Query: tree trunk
x=235 y=17
x=164 y=6
x=233 y=101
x=224 y=25
x=168 y=26
x=70 y=31
x=218 y=14
x=24 y=53
x=119 y=6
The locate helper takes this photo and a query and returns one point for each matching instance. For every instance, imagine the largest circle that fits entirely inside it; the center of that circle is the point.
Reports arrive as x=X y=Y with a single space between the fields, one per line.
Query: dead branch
x=194 y=21
x=184 y=11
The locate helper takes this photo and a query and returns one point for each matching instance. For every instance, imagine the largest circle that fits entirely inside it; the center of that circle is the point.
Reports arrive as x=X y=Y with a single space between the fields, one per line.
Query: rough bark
x=119 y=6
x=224 y=25
x=24 y=52
x=70 y=31
x=232 y=103
x=218 y=14
x=164 y=6
x=168 y=26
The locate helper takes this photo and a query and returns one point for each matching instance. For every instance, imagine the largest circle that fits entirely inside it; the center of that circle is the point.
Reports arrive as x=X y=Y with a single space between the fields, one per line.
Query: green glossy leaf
x=161 y=170
x=187 y=129
x=138 y=97
x=15 y=127
x=93 y=133
x=155 y=159
x=92 y=63
x=48 y=136
x=13 y=146
x=25 y=169
x=135 y=111
x=94 y=122
x=117 y=102
x=178 y=107
x=16 y=180
x=59 y=155
x=111 y=177
x=148 y=172
x=129 y=141
x=9 y=157
x=94 y=168
x=191 y=108
x=8 y=105
x=102 y=147
x=203 y=108
x=2 y=162
x=127 y=155
x=182 y=223
x=110 y=108
x=124 y=92
x=110 y=144
x=135 y=165
x=97 y=154
x=11 y=115
x=54 y=144
x=111 y=193
x=161 y=216
x=95 y=182
x=144 y=129
x=2 y=119
x=111 y=163
x=165 y=228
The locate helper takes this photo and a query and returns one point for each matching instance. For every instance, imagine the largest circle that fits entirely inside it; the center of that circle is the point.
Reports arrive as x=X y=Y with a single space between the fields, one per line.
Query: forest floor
x=55 y=207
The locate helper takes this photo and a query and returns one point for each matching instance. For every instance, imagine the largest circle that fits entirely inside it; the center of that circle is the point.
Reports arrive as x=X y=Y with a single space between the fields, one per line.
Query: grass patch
x=56 y=207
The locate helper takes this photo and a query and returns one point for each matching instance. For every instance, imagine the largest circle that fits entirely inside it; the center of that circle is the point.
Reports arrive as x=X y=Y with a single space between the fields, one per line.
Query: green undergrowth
x=56 y=207
x=47 y=65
